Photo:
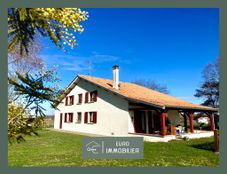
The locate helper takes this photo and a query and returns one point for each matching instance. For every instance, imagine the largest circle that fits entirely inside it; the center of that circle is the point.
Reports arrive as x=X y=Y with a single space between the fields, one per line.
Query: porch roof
x=145 y=95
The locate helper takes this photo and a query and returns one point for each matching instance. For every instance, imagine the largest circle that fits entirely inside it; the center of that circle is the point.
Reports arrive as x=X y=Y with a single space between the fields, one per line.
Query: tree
x=152 y=85
x=59 y=24
x=20 y=123
x=31 y=91
x=209 y=89
x=25 y=63
x=30 y=83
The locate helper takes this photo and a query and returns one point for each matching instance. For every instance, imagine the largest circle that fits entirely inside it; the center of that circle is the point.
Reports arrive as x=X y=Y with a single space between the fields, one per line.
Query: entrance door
x=60 y=120
x=157 y=122
x=140 y=121
x=151 y=126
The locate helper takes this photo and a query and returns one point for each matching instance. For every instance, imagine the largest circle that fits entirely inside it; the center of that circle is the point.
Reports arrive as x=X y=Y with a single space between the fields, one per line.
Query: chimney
x=115 y=76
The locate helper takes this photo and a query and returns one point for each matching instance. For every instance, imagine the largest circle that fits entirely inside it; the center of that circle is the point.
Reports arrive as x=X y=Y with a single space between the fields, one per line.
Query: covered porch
x=153 y=138
x=155 y=123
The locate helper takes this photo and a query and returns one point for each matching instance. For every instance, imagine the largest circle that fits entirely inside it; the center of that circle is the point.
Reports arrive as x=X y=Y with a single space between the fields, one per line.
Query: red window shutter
x=65 y=120
x=71 y=117
x=60 y=120
x=86 y=97
x=94 y=117
x=85 y=117
x=95 y=96
x=73 y=100
x=66 y=101
x=80 y=98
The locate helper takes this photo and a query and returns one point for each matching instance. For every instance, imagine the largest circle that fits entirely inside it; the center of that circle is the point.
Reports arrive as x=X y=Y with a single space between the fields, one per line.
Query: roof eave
x=68 y=89
x=193 y=109
x=76 y=79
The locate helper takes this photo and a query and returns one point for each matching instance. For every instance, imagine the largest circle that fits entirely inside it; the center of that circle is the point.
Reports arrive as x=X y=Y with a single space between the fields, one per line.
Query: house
x=110 y=107
x=204 y=120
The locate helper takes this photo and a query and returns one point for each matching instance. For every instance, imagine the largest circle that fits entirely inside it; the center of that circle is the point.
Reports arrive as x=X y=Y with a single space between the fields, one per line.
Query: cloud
x=76 y=66
x=103 y=58
x=78 y=63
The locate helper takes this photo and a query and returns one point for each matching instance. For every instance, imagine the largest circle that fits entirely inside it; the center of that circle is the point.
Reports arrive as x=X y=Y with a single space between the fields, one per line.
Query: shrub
x=20 y=123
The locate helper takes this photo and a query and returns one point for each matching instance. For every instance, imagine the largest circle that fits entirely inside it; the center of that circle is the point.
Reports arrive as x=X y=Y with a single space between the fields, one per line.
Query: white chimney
x=115 y=76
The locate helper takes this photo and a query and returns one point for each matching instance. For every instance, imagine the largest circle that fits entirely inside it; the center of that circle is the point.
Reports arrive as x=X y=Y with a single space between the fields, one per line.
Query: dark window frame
x=93 y=96
x=80 y=98
x=71 y=100
x=92 y=117
x=79 y=117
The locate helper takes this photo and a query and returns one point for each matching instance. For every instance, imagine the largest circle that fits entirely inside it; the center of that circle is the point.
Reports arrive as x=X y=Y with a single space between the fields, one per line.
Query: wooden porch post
x=163 y=123
x=212 y=127
x=191 y=122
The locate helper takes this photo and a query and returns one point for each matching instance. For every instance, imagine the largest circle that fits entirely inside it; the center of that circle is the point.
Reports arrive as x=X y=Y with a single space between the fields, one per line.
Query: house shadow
x=204 y=146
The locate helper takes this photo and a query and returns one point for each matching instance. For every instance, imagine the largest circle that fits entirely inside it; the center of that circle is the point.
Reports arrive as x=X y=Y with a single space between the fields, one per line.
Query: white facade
x=204 y=120
x=112 y=112
x=113 y=116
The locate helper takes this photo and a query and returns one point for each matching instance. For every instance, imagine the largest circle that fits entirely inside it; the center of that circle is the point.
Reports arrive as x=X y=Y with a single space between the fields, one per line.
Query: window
x=93 y=96
x=66 y=100
x=90 y=117
x=86 y=97
x=78 y=120
x=68 y=118
x=79 y=98
x=71 y=100
x=65 y=118
x=85 y=117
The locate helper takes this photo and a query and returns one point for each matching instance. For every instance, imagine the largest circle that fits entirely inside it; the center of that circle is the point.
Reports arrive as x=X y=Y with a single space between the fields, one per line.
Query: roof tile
x=143 y=94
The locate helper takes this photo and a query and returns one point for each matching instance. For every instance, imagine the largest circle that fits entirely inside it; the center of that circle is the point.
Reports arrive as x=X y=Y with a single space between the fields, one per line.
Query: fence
x=216 y=140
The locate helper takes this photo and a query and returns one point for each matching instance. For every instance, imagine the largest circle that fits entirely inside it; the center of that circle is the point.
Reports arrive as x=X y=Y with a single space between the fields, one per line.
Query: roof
x=134 y=92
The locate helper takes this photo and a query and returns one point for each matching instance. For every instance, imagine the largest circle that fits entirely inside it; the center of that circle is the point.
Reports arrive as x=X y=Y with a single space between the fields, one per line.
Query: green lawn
x=64 y=149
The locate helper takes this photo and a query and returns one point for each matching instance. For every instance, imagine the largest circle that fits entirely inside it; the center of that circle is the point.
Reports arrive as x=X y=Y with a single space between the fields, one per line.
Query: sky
x=170 y=46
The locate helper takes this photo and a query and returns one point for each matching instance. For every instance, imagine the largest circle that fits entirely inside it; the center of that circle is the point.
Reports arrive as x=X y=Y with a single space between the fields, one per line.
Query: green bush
x=201 y=126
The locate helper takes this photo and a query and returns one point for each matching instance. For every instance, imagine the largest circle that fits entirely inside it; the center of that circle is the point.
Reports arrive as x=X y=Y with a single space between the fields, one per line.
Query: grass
x=52 y=148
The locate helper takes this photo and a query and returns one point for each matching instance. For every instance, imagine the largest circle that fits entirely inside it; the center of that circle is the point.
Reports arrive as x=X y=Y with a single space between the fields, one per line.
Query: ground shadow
x=204 y=146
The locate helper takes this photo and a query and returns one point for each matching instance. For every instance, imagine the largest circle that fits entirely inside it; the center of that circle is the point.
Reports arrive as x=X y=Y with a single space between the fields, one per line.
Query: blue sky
x=170 y=46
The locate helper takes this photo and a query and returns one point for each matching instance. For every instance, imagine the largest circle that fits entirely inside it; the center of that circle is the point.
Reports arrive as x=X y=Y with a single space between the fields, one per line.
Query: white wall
x=130 y=122
x=112 y=112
